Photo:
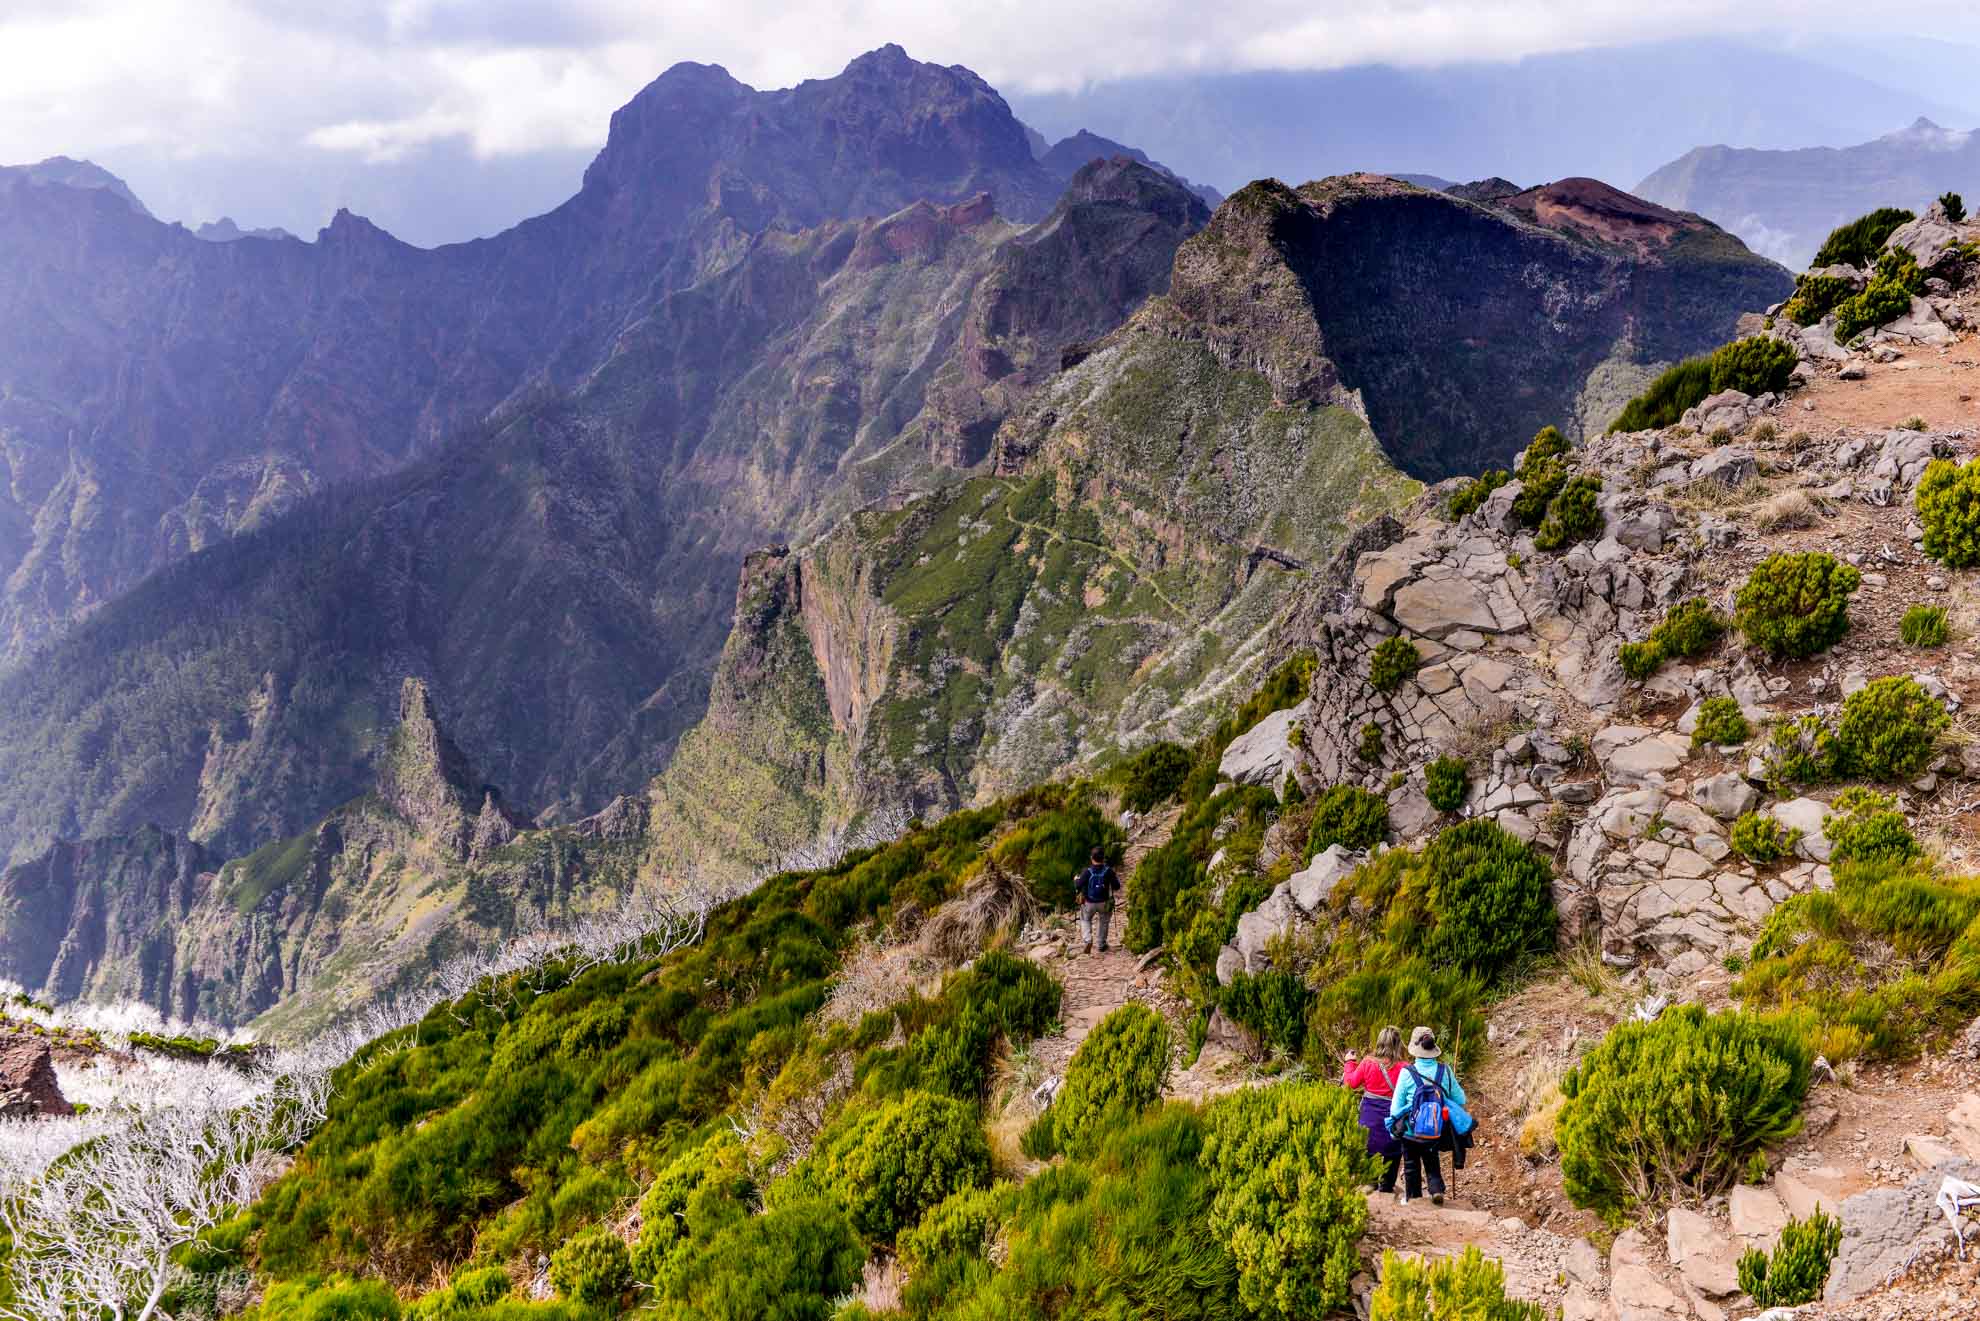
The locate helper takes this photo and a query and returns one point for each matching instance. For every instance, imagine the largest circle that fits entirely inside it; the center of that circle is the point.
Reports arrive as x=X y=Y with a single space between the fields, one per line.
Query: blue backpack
x=1426 y=1115
x=1097 y=883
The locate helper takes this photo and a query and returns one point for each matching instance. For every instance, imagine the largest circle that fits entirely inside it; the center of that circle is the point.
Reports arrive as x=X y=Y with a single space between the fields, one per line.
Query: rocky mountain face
x=1784 y=203
x=1158 y=511
x=561 y=573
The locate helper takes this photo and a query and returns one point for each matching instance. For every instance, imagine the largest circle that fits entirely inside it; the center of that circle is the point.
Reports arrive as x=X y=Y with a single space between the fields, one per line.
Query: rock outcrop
x=28 y=1086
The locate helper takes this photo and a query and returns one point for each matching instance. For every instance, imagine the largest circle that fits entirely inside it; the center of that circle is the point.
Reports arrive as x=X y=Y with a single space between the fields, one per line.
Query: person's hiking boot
x=1436 y=1199
x=1402 y=1199
x=1087 y=948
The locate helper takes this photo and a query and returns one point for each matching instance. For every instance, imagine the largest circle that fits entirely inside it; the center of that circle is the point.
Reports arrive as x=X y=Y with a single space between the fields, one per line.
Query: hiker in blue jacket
x=1097 y=885
x=1429 y=1106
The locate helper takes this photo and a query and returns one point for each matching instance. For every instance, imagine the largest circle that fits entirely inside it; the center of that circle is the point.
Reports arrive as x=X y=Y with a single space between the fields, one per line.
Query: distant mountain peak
x=69 y=172
x=1923 y=132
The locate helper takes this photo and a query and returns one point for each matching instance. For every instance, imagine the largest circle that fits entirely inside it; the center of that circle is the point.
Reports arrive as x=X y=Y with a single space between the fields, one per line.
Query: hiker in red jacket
x=1376 y=1075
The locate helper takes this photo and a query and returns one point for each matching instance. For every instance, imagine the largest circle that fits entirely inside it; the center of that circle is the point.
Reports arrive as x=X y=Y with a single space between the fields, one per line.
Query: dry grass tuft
x=1788 y=511
x=873 y=977
x=991 y=910
x=1714 y=495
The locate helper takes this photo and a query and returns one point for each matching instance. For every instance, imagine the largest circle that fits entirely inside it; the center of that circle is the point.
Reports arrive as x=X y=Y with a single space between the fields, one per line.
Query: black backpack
x=1096 y=884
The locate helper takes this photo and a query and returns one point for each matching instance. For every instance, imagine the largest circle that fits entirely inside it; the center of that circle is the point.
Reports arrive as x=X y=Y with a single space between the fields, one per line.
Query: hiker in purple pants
x=1376 y=1076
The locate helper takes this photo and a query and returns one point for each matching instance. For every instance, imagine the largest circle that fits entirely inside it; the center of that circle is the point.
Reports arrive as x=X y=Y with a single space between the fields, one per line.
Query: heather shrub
x=1815 y=296
x=592 y=1268
x=1889 y=727
x=1547 y=444
x=1689 y=628
x=1858 y=242
x=1803 y=751
x=1444 y=783
x=1395 y=660
x=962 y=1224
x=1796 y=604
x=1798 y=1269
x=700 y=1193
x=1490 y=897
x=1924 y=626
x=788 y=1263
x=1954 y=206
x=1721 y=723
x=1469 y=1287
x=1539 y=482
x=1287 y=1164
x=1887 y=297
x=1118 y=1072
x=1866 y=826
x=1671 y=1109
x=1472 y=494
x=888 y=1163
x=1348 y=815
x=1759 y=838
x=1369 y=749
x=1948 y=501
x=1640 y=659
x=1272 y=1005
x=1758 y=364
x=463 y=1297
x=1572 y=515
x=1666 y=398
x=1154 y=775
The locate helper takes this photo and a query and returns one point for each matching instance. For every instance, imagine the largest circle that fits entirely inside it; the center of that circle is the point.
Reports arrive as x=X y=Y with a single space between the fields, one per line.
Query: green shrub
x=1640 y=659
x=1799 y=1267
x=961 y=1225
x=1948 y=500
x=1154 y=775
x=1468 y=1287
x=1572 y=516
x=1539 y=482
x=1721 y=723
x=789 y=1264
x=1803 y=751
x=1492 y=897
x=1858 y=242
x=1472 y=494
x=888 y=1164
x=1287 y=1164
x=1815 y=296
x=1445 y=781
x=1671 y=1109
x=1924 y=626
x=1370 y=747
x=1758 y=364
x=1048 y=847
x=1796 y=604
x=1954 y=206
x=1547 y=444
x=1887 y=297
x=593 y=1268
x=1347 y=815
x=463 y=1297
x=1866 y=826
x=1392 y=662
x=1889 y=728
x=1272 y=1005
x=1758 y=837
x=1678 y=388
x=1118 y=1072
x=698 y=1195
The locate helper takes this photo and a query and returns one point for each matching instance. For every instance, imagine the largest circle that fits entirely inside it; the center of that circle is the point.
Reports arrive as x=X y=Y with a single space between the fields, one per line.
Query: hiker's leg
x=1085 y=923
x=1412 y=1165
x=1433 y=1168
x=1101 y=919
x=1390 y=1164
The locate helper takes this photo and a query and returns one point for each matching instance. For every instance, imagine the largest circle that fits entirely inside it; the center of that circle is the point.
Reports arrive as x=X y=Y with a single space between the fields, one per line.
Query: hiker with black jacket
x=1428 y=1109
x=1096 y=885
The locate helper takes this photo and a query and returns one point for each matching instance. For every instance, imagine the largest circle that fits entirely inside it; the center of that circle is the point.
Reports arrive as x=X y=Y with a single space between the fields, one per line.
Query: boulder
x=1757 y=1216
x=1264 y=753
x=1497 y=511
x=1701 y=1252
x=1310 y=888
x=1904 y=455
x=1928 y=238
x=1438 y=607
x=1255 y=929
x=1632 y=754
x=1920 y=324
x=1728 y=408
x=1882 y=1229
x=1729 y=465
x=1803 y=1190
x=28 y=1087
x=1644 y=530
x=1805 y=815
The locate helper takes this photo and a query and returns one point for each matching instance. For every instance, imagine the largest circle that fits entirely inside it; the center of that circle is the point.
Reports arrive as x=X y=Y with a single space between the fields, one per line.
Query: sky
x=276 y=111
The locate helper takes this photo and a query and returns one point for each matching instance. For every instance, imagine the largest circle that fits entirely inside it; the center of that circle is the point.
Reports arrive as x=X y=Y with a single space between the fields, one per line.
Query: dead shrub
x=991 y=910
x=1789 y=510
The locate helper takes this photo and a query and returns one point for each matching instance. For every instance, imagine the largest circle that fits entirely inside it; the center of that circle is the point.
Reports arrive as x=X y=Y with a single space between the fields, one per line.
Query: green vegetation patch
x=1758 y=364
x=1796 y=604
x=1948 y=501
x=1858 y=242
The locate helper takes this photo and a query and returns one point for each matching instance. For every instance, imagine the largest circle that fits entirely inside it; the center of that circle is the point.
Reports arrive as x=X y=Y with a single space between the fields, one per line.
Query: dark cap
x=1098 y=855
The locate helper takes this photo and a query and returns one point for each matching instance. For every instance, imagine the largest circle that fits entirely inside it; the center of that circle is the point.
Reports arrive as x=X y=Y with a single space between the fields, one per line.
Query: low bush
x=888 y=1163
x=1803 y=751
x=1866 y=826
x=1689 y=628
x=1954 y=206
x=1799 y=1267
x=1673 y=1108
x=1118 y=1072
x=1889 y=728
x=1759 y=838
x=1948 y=502
x=1678 y=388
x=1573 y=515
x=1758 y=364
x=1721 y=723
x=1369 y=749
x=699 y=1194
x=1924 y=626
x=1154 y=775
x=1539 y=482
x=1287 y=1164
x=1348 y=815
x=961 y=1225
x=593 y=1268
x=1047 y=847
x=1472 y=494
x=463 y=1297
x=1858 y=242
x=1640 y=659
x=1467 y=1286
x=1815 y=296
x=1796 y=604
x=789 y=1263
x=1272 y=1006
x=1887 y=297
x=1885 y=964
x=1547 y=445
x=1392 y=662
x=1445 y=781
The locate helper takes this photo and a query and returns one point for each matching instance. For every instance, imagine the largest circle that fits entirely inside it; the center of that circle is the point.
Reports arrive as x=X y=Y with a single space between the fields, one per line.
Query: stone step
x=1803 y=1190
x=1757 y=1216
